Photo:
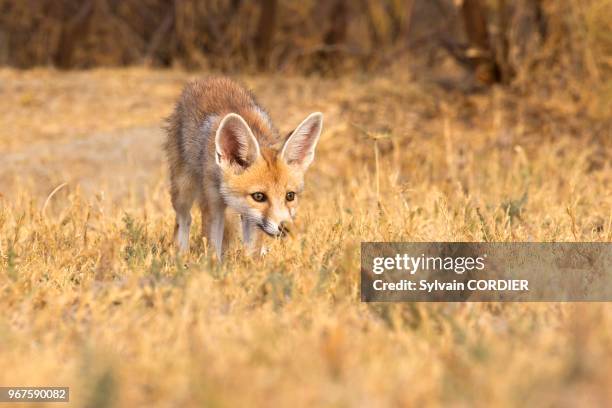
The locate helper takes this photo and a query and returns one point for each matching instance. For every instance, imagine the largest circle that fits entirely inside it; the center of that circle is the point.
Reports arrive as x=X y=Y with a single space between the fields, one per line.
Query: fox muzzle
x=274 y=230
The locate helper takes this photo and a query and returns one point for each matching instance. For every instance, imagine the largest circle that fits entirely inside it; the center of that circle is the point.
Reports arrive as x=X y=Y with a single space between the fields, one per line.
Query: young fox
x=223 y=151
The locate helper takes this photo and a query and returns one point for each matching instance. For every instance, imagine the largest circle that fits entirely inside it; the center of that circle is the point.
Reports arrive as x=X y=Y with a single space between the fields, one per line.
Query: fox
x=224 y=152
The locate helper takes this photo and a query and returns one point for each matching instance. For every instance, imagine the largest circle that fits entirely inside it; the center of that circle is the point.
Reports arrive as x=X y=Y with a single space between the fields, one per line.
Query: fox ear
x=235 y=142
x=300 y=146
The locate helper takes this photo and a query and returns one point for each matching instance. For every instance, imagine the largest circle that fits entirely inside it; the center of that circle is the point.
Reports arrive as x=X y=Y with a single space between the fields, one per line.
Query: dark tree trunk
x=503 y=49
x=336 y=35
x=266 y=28
x=72 y=32
x=480 y=52
x=475 y=22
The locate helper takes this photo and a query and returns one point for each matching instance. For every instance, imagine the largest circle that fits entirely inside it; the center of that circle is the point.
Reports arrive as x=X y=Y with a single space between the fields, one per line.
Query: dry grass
x=92 y=296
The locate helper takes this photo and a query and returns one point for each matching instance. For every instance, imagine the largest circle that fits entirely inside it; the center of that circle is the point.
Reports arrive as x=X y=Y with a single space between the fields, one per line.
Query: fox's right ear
x=235 y=143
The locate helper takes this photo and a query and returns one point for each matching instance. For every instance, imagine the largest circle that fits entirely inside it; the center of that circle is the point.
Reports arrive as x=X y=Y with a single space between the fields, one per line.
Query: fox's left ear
x=300 y=146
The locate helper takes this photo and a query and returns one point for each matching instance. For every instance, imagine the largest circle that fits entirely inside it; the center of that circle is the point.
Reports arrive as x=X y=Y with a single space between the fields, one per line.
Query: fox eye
x=259 y=197
x=290 y=196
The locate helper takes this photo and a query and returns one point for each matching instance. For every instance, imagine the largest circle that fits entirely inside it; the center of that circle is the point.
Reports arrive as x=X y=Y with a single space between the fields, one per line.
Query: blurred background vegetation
x=556 y=50
x=495 y=41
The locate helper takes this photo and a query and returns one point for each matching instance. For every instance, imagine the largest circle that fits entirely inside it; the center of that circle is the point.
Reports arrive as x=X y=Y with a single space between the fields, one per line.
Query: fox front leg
x=251 y=238
x=181 y=231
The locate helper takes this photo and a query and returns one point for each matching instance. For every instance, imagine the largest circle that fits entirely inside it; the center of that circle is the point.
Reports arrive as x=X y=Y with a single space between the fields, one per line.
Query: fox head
x=263 y=184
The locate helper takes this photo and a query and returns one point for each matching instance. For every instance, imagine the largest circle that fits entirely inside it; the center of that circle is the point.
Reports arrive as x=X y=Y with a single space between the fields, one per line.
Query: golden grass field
x=93 y=297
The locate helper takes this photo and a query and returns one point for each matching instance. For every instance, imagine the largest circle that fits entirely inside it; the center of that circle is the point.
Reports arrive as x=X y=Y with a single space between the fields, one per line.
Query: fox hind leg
x=182 y=201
